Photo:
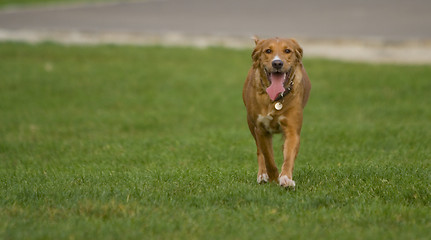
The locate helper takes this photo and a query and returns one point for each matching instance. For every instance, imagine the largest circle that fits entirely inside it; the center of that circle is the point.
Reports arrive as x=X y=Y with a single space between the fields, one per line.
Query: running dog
x=275 y=93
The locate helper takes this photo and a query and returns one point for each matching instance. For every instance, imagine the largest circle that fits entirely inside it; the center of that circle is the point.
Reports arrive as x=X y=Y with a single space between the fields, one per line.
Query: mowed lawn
x=124 y=142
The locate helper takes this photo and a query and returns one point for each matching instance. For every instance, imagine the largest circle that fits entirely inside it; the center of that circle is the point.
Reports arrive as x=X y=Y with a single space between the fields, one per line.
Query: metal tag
x=278 y=106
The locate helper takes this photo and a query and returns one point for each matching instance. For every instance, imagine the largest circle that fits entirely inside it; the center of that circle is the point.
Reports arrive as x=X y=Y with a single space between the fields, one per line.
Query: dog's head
x=276 y=59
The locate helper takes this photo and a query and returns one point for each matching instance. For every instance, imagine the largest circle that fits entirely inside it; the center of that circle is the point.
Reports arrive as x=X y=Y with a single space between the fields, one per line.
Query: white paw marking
x=285 y=181
x=262 y=178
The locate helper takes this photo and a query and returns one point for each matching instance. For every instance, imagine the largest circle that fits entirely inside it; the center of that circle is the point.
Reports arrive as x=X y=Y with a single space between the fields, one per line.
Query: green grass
x=113 y=142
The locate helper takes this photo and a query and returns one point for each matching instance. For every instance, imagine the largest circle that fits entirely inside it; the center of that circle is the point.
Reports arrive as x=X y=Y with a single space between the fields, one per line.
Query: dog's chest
x=269 y=122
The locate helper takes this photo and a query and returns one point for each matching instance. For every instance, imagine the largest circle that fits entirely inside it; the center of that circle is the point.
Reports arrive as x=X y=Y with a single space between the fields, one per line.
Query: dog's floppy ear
x=256 y=52
x=256 y=39
x=298 y=49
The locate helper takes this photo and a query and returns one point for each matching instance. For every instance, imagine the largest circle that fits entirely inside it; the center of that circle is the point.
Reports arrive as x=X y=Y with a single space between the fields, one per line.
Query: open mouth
x=277 y=80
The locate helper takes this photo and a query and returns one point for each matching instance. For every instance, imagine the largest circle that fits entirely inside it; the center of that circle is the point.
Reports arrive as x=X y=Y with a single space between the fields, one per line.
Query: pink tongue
x=277 y=80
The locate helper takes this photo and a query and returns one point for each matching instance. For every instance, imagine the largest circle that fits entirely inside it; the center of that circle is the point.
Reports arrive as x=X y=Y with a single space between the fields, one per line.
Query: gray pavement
x=346 y=29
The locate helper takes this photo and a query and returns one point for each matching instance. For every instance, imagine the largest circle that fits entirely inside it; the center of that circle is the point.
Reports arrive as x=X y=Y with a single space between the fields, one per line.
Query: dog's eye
x=287 y=50
x=268 y=50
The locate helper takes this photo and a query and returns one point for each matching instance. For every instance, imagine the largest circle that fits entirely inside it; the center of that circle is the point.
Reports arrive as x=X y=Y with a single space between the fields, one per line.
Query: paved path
x=347 y=29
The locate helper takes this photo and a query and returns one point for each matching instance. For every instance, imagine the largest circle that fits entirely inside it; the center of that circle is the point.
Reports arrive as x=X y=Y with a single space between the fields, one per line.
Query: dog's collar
x=288 y=89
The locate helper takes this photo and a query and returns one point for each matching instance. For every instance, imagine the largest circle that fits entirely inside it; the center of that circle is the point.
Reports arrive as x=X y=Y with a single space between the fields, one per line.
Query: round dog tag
x=278 y=106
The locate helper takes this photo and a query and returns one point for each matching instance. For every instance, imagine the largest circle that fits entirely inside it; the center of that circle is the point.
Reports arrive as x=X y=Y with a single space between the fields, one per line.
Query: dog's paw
x=262 y=178
x=286 y=182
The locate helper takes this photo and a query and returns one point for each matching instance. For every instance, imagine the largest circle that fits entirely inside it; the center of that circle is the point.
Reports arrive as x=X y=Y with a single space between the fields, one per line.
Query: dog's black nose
x=277 y=64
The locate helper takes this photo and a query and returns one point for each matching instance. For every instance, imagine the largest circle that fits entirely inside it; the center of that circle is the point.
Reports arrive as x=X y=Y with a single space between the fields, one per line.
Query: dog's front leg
x=264 y=145
x=291 y=128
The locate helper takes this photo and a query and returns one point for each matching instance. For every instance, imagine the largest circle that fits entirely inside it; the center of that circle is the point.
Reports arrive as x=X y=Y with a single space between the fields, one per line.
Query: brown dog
x=275 y=93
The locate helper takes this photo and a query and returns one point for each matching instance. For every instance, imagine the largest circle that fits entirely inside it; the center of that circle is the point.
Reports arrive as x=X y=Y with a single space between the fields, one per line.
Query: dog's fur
x=263 y=118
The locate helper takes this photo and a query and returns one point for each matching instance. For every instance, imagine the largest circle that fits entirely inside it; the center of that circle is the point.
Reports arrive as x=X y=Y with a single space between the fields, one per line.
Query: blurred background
x=364 y=30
